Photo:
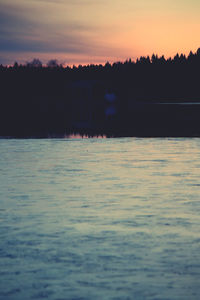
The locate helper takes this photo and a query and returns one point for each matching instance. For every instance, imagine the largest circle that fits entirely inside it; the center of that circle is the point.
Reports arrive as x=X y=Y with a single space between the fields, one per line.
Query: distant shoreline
x=145 y=120
x=150 y=97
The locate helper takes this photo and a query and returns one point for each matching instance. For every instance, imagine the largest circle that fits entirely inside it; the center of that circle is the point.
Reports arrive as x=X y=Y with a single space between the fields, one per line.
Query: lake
x=100 y=219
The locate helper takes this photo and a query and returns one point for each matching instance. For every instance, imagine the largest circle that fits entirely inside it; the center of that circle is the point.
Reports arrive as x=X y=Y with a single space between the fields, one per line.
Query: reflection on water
x=100 y=219
x=84 y=136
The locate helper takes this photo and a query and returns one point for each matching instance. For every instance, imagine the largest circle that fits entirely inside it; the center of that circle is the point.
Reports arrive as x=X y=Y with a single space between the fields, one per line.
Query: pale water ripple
x=100 y=219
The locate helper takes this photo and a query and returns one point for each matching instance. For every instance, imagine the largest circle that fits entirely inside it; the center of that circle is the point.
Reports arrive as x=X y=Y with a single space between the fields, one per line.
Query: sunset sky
x=96 y=31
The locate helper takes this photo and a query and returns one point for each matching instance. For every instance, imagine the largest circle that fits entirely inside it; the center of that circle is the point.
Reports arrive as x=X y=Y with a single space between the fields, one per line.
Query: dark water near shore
x=100 y=219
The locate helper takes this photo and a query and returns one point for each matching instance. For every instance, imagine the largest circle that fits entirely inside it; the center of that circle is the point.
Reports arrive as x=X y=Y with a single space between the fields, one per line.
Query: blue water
x=100 y=219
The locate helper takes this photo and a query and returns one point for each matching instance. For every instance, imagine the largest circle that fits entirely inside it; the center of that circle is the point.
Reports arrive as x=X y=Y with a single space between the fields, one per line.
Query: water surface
x=100 y=219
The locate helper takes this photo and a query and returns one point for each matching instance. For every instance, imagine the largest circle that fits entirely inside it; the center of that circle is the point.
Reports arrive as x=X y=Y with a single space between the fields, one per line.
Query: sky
x=96 y=31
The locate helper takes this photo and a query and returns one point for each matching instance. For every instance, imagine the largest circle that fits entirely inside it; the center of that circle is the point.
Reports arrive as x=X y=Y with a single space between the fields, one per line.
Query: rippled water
x=100 y=219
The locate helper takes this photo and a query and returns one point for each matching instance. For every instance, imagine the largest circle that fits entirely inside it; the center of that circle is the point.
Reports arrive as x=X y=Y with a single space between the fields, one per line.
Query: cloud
x=21 y=31
x=73 y=2
x=79 y=27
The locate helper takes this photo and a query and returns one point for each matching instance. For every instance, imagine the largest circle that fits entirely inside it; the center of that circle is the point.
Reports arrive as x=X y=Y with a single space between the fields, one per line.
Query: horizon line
x=37 y=62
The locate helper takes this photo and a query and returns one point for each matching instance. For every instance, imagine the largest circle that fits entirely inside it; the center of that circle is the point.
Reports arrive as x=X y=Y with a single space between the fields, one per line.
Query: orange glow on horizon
x=94 y=32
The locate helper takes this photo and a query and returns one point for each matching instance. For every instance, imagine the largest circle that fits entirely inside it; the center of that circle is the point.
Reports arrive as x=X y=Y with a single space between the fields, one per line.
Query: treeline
x=38 y=100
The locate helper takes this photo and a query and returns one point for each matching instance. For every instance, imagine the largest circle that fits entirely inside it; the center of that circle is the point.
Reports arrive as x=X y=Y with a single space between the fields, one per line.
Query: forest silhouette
x=154 y=96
